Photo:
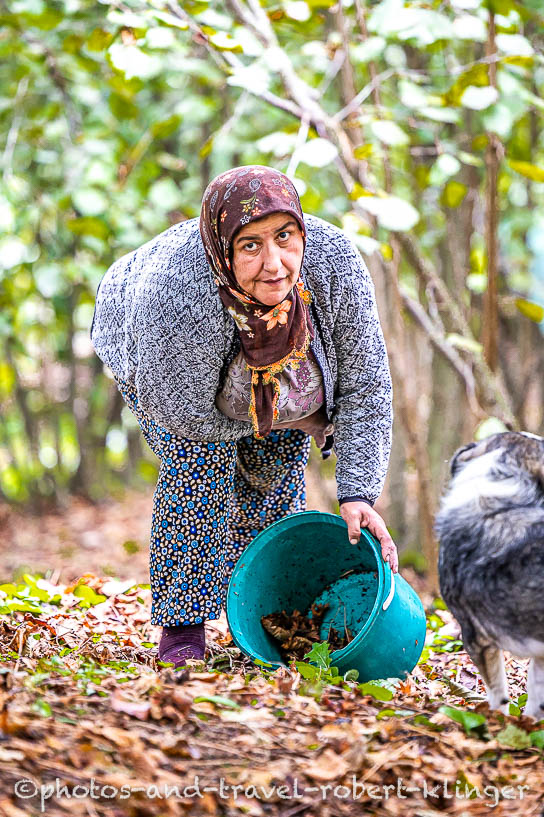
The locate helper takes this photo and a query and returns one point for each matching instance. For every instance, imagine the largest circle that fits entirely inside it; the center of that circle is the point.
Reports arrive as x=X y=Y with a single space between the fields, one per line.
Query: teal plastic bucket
x=306 y=558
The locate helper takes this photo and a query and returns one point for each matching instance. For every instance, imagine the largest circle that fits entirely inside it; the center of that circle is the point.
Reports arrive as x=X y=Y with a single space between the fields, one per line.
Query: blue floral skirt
x=211 y=500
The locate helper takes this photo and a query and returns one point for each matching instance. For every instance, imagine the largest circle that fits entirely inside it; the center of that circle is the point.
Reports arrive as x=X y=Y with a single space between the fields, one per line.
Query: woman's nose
x=272 y=258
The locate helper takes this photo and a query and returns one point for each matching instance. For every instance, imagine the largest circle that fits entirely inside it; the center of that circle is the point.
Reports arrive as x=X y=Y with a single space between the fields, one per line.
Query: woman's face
x=266 y=257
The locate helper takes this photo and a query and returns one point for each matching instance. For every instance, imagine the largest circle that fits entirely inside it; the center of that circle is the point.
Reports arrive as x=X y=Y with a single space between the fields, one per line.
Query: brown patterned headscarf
x=271 y=338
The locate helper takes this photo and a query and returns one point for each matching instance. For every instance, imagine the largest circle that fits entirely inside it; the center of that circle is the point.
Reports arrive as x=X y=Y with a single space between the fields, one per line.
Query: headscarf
x=271 y=337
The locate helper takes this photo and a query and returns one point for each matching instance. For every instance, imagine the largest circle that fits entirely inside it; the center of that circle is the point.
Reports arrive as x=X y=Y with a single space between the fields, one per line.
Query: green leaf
x=72 y=43
x=161 y=130
x=537 y=739
x=385 y=713
x=319 y=655
x=88 y=226
x=165 y=195
x=504 y=7
x=42 y=708
x=445 y=166
x=434 y=622
x=367 y=51
x=89 y=201
x=37 y=678
x=263 y=664
x=469 y=159
x=351 y=675
x=533 y=311
x=476 y=282
x=363 y=151
x=441 y=114
x=376 y=691
x=22 y=607
x=217 y=699
x=307 y=671
x=47 y=21
x=317 y=153
x=99 y=40
x=206 y=148
x=478 y=99
x=87 y=593
x=522 y=62
x=476 y=76
x=453 y=194
x=489 y=426
x=528 y=170
x=121 y=107
x=131 y=546
x=9 y=589
x=469 y=720
x=514 y=737
x=133 y=62
x=224 y=42
x=394 y=713
x=389 y=132
x=424 y=26
x=392 y=212
x=127 y=19
x=358 y=192
x=423 y=720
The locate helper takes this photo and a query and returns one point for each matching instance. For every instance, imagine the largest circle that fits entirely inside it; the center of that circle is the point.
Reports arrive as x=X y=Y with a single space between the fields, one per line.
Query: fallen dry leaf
x=327 y=766
x=137 y=709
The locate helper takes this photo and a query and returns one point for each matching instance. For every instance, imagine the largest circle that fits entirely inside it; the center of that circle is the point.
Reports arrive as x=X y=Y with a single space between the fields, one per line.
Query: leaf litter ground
x=87 y=710
x=84 y=699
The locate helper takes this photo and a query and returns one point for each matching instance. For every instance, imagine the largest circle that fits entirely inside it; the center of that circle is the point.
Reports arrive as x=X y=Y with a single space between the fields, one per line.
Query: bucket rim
x=356 y=642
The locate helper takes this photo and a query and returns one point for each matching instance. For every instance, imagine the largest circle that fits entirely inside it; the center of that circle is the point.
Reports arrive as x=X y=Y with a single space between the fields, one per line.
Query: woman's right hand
x=359 y=515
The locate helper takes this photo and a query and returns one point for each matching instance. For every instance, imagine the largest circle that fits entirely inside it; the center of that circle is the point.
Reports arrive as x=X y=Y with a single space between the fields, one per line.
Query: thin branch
x=302 y=135
x=492 y=384
x=13 y=133
x=436 y=336
x=59 y=81
x=228 y=61
x=244 y=16
x=363 y=94
x=334 y=67
x=428 y=274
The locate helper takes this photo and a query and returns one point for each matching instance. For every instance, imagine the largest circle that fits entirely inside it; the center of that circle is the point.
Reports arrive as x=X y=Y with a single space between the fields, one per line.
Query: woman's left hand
x=359 y=515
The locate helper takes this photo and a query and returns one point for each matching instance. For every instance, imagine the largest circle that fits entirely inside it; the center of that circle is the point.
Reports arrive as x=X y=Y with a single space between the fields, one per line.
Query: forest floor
x=92 y=724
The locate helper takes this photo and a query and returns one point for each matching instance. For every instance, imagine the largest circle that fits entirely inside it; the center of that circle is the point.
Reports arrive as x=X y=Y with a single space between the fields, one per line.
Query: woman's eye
x=249 y=247
x=284 y=233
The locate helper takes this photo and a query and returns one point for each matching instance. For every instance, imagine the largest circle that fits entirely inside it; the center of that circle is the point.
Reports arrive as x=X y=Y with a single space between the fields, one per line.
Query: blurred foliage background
x=415 y=126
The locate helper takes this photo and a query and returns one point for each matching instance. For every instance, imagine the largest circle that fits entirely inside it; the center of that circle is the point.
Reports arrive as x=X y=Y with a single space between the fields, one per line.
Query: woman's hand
x=359 y=515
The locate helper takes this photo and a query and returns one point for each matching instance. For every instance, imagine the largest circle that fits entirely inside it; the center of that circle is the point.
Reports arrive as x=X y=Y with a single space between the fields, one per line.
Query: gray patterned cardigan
x=159 y=323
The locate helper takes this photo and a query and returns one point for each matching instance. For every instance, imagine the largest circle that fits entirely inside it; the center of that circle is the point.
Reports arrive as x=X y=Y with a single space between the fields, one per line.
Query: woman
x=234 y=338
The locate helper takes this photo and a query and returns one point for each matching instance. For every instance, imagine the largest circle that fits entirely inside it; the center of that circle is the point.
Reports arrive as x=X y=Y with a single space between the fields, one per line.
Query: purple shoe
x=181 y=642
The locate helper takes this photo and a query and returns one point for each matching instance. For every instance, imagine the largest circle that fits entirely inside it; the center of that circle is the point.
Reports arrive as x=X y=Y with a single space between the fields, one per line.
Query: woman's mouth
x=273 y=281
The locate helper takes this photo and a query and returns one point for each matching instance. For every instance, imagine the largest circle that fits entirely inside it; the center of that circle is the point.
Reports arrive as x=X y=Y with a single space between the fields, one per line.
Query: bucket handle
x=391 y=595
